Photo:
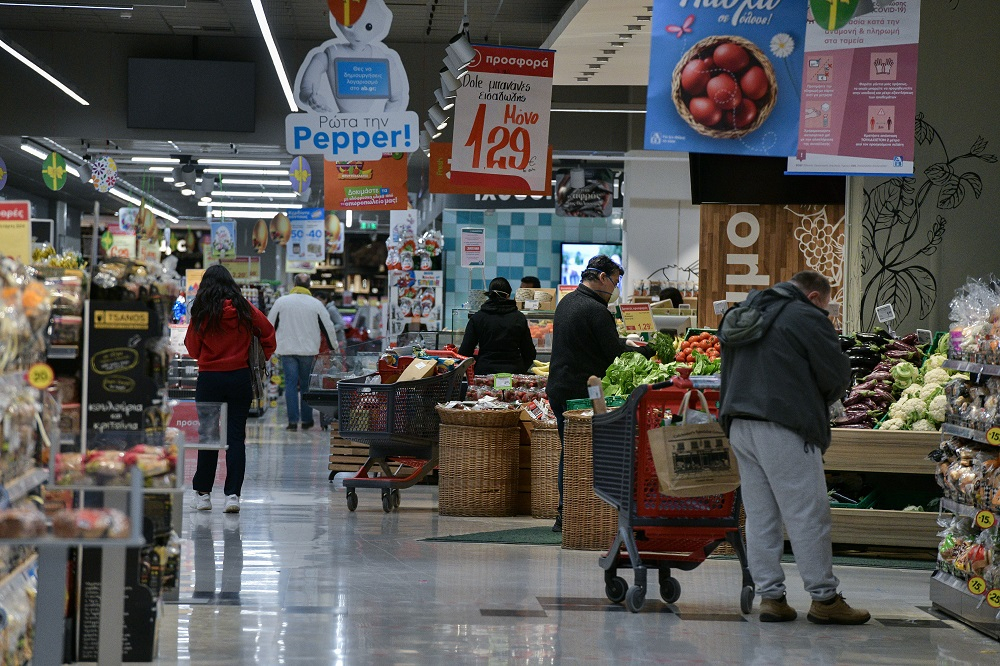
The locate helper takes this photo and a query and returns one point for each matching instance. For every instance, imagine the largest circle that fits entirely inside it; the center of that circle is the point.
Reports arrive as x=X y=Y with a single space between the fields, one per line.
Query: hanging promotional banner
x=502 y=121
x=103 y=174
x=15 y=230
x=725 y=77
x=148 y=250
x=354 y=91
x=376 y=185
x=859 y=85
x=54 y=171
x=118 y=242
x=584 y=192
x=334 y=233
x=243 y=269
x=472 y=247
x=223 y=243
x=300 y=174
x=307 y=241
x=440 y=181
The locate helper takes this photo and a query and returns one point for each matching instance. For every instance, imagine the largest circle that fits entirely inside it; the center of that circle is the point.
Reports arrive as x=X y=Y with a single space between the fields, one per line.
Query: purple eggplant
x=880 y=375
x=866 y=386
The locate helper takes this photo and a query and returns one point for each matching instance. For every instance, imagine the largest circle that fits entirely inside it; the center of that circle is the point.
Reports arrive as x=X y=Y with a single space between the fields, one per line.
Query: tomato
x=689 y=358
x=679 y=357
x=705 y=335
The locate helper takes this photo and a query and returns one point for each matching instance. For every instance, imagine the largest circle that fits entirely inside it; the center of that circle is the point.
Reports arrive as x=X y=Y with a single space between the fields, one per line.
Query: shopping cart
x=399 y=425
x=654 y=530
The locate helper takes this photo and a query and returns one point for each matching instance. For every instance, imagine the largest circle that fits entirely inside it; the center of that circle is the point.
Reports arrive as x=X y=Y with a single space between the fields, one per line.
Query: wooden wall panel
x=771 y=243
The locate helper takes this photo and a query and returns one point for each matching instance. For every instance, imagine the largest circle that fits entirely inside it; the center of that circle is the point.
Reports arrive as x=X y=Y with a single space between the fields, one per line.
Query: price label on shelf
x=977 y=585
x=885 y=313
x=985 y=520
x=503 y=381
x=993 y=436
x=501 y=134
x=637 y=317
x=41 y=376
x=924 y=336
x=720 y=307
x=993 y=598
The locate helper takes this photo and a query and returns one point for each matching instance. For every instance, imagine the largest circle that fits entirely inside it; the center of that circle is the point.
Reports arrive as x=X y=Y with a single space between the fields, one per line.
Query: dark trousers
x=234 y=389
x=558 y=407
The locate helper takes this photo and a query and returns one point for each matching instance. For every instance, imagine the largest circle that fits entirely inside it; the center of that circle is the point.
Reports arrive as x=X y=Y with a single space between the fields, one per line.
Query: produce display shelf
x=964 y=433
x=972 y=368
x=63 y=352
x=130 y=542
x=960 y=509
x=117 y=489
x=855 y=450
x=951 y=596
x=19 y=487
x=913 y=529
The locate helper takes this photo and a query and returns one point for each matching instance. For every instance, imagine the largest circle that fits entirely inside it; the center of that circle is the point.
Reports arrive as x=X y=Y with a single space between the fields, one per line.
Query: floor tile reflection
x=296 y=578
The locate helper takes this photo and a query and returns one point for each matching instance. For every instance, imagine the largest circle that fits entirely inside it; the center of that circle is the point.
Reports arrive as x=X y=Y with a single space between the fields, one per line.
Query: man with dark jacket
x=501 y=332
x=584 y=342
x=782 y=368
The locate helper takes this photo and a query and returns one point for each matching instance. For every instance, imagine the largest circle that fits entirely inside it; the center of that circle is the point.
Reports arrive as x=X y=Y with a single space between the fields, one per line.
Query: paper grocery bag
x=693 y=460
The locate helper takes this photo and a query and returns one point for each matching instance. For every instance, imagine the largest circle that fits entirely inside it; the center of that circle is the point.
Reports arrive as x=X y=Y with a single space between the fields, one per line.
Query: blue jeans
x=297 y=370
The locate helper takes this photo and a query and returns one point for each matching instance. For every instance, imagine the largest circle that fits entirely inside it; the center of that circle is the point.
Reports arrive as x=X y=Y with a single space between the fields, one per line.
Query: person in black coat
x=501 y=333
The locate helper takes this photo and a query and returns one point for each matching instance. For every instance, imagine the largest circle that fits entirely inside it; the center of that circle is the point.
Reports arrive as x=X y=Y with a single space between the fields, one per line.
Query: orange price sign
x=41 y=376
x=637 y=317
x=985 y=520
x=993 y=436
x=977 y=585
x=993 y=598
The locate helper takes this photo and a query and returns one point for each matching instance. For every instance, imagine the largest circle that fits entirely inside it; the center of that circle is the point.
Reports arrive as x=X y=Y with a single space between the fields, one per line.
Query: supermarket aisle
x=296 y=578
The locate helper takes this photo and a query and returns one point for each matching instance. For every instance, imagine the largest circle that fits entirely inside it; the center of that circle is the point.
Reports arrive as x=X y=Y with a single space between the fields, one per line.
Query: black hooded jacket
x=501 y=333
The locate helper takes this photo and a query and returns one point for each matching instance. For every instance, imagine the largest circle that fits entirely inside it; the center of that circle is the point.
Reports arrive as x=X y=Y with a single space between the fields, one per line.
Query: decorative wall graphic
x=821 y=242
x=54 y=171
x=894 y=235
x=105 y=173
x=3 y=173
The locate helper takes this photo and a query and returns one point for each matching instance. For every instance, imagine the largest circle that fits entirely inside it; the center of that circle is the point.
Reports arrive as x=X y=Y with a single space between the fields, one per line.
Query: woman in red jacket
x=219 y=336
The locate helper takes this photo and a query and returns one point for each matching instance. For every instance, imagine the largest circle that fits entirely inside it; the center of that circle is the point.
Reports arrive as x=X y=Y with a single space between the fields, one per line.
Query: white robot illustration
x=354 y=72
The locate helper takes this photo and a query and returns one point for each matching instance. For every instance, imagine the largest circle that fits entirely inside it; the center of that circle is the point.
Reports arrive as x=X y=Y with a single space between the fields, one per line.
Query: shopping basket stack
x=399 y=424
x=654 y=530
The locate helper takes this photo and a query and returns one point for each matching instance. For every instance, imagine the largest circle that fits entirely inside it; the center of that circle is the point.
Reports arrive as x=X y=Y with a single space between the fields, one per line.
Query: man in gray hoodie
x=782 y=369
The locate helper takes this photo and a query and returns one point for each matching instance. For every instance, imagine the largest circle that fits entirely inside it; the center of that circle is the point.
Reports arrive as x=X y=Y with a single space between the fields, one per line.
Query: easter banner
x=223 y=240
x=859 y=101
x=724 y=77
x=376 y=185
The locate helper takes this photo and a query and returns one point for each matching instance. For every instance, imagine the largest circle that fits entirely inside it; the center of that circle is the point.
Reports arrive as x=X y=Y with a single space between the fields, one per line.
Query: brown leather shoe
x=836 y=611
x=776 y=610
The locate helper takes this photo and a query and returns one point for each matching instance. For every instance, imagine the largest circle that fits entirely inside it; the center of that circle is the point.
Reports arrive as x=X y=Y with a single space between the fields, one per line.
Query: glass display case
x=539 y=323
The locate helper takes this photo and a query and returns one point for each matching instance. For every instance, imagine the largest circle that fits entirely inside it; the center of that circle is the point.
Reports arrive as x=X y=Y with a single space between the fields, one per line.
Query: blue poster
x=724 y=77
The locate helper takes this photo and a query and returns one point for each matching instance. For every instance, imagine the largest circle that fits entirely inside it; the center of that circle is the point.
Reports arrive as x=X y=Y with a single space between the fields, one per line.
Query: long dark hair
x=217 y=286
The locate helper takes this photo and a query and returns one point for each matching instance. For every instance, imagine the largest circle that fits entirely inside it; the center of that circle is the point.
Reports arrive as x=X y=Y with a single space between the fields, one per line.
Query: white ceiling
x=584 y=34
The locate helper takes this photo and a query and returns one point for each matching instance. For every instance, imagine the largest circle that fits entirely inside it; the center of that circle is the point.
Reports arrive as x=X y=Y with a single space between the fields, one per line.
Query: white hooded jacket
x=297 y=319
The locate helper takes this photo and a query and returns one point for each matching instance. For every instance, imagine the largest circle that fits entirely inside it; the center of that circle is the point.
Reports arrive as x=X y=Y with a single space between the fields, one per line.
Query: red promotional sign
x=442 y=179
x=15 y=230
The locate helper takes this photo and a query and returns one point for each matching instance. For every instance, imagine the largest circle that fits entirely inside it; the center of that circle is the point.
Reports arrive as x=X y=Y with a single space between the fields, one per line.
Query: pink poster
x=859 y=88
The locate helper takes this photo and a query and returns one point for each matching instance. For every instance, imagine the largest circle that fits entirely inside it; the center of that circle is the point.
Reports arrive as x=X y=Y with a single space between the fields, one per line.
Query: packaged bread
x=21 y=523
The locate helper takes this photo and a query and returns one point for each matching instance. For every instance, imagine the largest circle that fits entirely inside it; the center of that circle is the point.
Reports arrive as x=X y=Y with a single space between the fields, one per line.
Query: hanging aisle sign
x=354 y=91
x=724 y=77
x=308 y=238
x=15 y=230
x=860 y=81
x=502 y=120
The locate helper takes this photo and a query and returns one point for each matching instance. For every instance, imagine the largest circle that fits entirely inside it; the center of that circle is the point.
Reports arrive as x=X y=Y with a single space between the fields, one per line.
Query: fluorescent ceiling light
x=227 y=162
x=257 y=181
x=272 y=48
x=252 y=204
x=597 y=110
x=247 y=214
x=187 y=192
x=255 y=195
x=168 y=179
x=156 y=160
x=32 y=150
x=24 y=58
x=160 y=213
x=249 y=172
x=163 y=169
x=348 y=218
x=42 y=5
x=124 y=196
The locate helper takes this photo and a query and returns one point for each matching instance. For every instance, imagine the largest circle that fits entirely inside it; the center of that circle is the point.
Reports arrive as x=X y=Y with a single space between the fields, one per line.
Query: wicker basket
x=480 y=418
x=764 y=106
x=588 y=523
x=545 y=447
x=478 y=471
x=725 y=548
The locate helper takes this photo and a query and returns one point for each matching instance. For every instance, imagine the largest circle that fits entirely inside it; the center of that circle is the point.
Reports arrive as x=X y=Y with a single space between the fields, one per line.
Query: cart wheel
x=386 y=501
x=746 y=600
x=352 y=500
x=635 y=598
x=670 y=590
x=616 y=588
x=394 y=494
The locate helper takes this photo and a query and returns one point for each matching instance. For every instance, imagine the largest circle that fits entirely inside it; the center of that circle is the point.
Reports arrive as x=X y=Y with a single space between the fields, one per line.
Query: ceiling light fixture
x=448 y=82
x=432 y=131
x=124 y=196
x=602 y=58
x=617 y=45
x=254 y=195
x=584 y=79
x=248 y=172
x=245 y=214
x=633 y=28
x=348 y=218
x=229 y=162
x=168 y=179
x=455 y=66
x=254 y=204
x=160 y=169
x=624 y=35
x=187 y=191
x=644 y=18
x=460 y=48
x=608 y=52
x=26 y=58
x=156 y=160
x=42 y=5
x=425 y=140
x=257 y=181
x=445 y=103
x=597 y=66
x=272 y=48
x=438 y=117
x=31 y=149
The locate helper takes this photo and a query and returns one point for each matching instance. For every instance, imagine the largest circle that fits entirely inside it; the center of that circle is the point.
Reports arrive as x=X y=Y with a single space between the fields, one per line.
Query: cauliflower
x=891 y=424
x=937 y=376
x=929 y=391
x=911 y=409
x=911 y=391
x=934 y=361
x=937 y=408
x=923 y=425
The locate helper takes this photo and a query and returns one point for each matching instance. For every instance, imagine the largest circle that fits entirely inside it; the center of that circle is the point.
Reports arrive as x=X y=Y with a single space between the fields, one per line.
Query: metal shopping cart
x=654 y=530
x=399 y=425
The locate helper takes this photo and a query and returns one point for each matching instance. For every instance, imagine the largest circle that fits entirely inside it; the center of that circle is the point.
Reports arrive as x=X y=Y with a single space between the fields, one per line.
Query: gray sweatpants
x=782 y=481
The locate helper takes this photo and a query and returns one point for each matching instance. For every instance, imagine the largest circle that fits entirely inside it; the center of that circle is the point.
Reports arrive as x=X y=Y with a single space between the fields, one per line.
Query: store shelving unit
x=889 y=452
x=949 y=593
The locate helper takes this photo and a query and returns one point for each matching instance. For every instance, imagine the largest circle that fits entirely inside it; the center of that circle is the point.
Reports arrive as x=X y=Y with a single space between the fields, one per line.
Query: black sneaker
x=292 y=426
x=557 y=526
x=307 y=426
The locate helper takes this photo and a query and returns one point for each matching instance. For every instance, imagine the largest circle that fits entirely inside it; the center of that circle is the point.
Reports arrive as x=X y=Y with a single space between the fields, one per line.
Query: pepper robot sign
x=354 y=91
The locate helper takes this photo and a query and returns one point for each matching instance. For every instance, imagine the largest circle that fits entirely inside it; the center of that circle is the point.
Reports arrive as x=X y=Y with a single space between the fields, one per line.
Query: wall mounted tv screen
x=204 y=95
x=575 y=257
x=743 y=179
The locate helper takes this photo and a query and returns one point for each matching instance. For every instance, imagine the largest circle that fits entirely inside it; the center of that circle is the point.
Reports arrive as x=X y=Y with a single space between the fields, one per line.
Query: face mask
x=615 y=295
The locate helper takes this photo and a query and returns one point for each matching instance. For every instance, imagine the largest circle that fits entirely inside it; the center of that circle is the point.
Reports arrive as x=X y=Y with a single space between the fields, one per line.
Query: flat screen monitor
x=744 y=179
x=575 y=257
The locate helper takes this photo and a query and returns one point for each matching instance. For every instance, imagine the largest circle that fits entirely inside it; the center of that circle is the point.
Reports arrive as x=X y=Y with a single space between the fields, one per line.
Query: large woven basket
x=480 y=418
x=477 y=471
x=545 y=447
x=681 y=98
x=588 y=522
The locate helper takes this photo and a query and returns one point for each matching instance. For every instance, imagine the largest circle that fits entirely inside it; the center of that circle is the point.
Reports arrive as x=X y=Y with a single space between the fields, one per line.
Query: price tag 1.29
x=985 y=520
x=41 y=376
x=977 y=585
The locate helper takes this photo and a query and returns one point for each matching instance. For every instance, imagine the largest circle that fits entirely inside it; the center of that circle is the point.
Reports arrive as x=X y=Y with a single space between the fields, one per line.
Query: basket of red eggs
x=724 y=87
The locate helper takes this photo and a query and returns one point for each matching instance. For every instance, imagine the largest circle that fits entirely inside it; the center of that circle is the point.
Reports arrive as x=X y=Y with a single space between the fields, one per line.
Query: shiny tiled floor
x=297 y=579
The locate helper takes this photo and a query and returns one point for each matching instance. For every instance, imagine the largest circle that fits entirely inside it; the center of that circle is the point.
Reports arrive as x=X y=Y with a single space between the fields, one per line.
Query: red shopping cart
x=654 y=530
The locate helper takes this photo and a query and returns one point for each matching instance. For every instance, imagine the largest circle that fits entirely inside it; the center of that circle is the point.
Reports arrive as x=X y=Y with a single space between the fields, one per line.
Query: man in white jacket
x=299 y=322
